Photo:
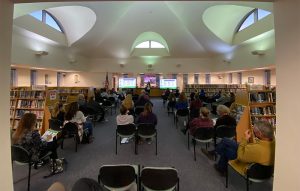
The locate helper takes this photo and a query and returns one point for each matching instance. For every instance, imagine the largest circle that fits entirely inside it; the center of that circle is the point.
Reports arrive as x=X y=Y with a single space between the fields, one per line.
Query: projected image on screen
x=127 y=82
x=168 y=83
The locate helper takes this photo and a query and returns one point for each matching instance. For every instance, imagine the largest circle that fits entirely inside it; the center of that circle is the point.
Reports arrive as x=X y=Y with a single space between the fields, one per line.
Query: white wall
x=86 y=79
x=287 y=173
x=23 y=54
x=6 y=14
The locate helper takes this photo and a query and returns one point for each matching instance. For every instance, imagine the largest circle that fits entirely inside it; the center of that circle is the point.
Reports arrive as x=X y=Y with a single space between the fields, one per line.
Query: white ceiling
x=118 y=24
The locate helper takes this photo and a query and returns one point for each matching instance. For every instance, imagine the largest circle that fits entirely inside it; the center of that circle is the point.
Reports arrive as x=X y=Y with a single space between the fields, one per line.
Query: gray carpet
x=172 y=151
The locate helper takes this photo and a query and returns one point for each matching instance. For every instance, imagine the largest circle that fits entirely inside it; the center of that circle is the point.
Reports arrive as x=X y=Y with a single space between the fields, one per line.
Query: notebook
x=49 y=135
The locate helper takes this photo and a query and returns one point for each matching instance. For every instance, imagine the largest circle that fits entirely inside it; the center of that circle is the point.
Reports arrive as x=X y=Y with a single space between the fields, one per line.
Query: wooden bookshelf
x=28 y=100
x=259 y=104
x=65 y=95
x=211 y=89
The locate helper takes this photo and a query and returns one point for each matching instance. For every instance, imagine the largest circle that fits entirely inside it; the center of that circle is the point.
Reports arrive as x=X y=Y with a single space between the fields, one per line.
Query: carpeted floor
x=172 y=151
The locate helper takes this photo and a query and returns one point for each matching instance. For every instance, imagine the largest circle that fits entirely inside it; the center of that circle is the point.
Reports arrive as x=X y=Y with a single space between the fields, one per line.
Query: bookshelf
x=258 y=103
x=211 y=89
x=65 y=95
x=28 y=100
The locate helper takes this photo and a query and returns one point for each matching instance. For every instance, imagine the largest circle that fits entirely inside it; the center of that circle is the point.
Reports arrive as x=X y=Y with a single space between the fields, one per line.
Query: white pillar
x=287 y=42
x=6 y=19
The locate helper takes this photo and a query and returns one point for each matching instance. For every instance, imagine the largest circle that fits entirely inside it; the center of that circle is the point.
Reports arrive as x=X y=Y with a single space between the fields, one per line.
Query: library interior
x=149 y=95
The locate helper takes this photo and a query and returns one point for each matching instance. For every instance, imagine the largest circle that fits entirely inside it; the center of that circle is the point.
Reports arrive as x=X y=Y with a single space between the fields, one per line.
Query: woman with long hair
x=128 y=102
x=29 y=138
x=182 y=102
x=75 y=116
x=58 y=112
x=147 y=116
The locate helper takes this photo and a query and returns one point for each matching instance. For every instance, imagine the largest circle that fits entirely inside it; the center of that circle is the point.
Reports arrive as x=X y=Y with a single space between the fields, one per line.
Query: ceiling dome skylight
x=150 y=44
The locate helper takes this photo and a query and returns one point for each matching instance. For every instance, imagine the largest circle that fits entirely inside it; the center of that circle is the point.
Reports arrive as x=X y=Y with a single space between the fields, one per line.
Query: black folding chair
x=21 y=156
x=159 y=179
x=125 y=131
x=254 y=173
x=146 y=131
x=202 y=135
x=181 y=113
x=70 y=130
x=118 y=177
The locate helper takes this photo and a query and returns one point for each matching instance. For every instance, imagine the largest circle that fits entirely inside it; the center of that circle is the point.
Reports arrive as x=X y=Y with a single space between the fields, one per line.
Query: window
x=252 y=17
x=47 y=18
x=150 y=44
x=207 y=78
x=33 y=77
x=13 y=77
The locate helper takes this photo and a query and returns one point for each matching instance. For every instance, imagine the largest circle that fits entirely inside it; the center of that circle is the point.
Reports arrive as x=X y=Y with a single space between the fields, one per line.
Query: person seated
x=195 y=106
x=103 y=93
x=171 y=102
x=143 y=99
x=202 y=95
x=165 y=96
x=182 y=102
x=224 y=99
x=261 y=151
x=81 y=100
x=123 y=118
x=29 y=138
x=192 y=95
x=58 y=112
x=214 y=97
x=147 y=116
x=225 y=118
x=74 y=115
x=177 y=93
x=128 y=103
x=95 y=109
x=202 y=121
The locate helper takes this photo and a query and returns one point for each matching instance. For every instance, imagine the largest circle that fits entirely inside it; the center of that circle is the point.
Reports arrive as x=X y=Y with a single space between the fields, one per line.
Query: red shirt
x=200 y=123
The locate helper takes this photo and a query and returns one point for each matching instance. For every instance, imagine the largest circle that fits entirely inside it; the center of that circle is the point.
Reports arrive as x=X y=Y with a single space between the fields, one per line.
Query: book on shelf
x=268 y=110
x=271 y=120
x=38 y=104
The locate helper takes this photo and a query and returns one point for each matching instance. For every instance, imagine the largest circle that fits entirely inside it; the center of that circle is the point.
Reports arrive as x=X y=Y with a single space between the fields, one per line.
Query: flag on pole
x=106 y=81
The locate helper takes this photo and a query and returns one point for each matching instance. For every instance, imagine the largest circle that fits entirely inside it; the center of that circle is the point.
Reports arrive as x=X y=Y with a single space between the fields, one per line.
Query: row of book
x=261 y=97
x=13 y=94
x=32 y=94
x=31 y=104
x=39 y=124
x=21 y=112
x=271 y=120
x=80 y=91
x=268 y=110
x=215 y=86
x=210 y=90
x=12 y=103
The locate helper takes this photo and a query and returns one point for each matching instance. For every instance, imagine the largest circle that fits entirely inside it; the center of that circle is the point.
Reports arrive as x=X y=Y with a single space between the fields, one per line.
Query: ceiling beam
x=39 y=1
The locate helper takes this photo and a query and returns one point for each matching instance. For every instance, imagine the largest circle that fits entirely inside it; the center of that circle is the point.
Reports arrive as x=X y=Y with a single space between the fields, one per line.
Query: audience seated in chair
x=202 y=121
x=225 y=118
x=195 y=106
x=58 y=112
x=95 y=109
x=147 y=116
x=27 y=137
x=128 y=103
x=124 y=118
x=261 y=151
x=143 y=99
x=75 y=116
x=182 y=102
x=171 y=102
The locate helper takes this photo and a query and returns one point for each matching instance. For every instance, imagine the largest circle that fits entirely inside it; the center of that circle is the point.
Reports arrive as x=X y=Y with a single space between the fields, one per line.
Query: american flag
x=106 y=83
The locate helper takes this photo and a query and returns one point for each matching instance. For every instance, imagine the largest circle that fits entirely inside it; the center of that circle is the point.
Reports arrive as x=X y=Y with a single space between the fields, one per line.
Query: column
x=287 y=40
x=6 y=20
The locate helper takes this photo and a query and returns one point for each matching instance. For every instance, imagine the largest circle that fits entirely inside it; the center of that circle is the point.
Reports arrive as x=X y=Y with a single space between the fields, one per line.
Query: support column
x=287 y=43
x=6 y=20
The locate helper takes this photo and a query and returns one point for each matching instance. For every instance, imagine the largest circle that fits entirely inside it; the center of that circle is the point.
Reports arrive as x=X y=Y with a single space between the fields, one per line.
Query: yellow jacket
x=261 y=152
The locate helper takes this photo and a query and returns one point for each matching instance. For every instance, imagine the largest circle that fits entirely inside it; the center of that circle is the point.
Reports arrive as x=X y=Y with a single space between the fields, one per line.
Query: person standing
x=148 y=88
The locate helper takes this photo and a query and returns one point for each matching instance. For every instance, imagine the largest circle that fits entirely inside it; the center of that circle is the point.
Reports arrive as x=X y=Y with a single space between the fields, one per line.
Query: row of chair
x=122 y=177
x=208 y=135
x=131 y=131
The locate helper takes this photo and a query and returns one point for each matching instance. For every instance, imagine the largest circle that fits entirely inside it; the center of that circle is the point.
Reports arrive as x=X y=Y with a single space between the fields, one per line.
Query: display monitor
x=127 y=82
x=168 y=83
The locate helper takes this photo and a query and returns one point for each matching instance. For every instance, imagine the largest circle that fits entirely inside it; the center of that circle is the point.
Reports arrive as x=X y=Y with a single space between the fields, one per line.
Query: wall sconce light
x=41 y=53
x=258 y=52
x=226 y=61
x=76 y=78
